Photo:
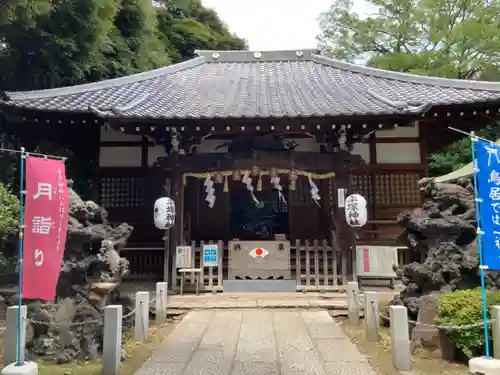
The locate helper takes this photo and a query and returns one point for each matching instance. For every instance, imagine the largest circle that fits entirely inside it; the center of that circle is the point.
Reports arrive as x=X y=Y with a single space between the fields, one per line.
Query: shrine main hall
x=258 y=150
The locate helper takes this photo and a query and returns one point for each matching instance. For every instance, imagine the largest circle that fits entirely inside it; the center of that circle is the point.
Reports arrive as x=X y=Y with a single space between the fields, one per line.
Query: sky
x=274 y=24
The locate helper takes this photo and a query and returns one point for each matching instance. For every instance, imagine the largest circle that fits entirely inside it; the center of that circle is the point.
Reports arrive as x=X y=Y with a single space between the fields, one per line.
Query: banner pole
x=21 y=234
x=480 y=246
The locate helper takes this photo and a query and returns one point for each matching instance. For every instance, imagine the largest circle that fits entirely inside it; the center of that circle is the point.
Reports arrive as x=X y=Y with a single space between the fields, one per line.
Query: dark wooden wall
x=129 y=194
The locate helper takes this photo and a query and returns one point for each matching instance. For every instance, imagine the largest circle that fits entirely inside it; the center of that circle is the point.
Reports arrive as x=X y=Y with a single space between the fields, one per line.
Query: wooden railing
x=313 y=264
x=145 y=263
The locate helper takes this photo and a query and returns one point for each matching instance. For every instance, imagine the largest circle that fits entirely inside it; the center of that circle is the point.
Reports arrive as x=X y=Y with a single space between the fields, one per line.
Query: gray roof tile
x=242 y=84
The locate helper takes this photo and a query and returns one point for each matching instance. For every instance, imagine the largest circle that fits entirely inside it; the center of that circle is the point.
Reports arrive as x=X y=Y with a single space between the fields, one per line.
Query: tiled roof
x=245 y=84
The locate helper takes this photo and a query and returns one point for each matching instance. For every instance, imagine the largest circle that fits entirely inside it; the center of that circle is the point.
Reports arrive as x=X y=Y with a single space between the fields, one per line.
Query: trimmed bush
x=465 y=307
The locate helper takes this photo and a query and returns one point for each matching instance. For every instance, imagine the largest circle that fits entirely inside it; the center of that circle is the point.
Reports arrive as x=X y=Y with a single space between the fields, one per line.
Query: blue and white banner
x=488 y=180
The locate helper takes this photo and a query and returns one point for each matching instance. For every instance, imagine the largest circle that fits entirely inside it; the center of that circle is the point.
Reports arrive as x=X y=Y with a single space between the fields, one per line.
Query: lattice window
x=362 y=184
x=397 y=189
x=123 y=192
x=332 y=193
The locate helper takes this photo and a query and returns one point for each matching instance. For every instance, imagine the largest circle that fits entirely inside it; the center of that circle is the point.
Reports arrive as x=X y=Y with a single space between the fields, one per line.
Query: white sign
x=356 y=214
x=341 y=197
x=183 y=257
x=210 y=256
x=164 y=213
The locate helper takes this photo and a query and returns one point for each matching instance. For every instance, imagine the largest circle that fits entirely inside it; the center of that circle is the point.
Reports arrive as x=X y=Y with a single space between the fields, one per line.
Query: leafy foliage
x=9 y=212
x=186 y=26
x=446 y=38
x=459 y=153
x=51 y=43
x=465 y=307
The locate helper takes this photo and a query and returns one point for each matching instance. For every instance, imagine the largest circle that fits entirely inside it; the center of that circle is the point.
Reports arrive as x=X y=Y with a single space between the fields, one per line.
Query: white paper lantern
x=164 y=213
x=356 y=214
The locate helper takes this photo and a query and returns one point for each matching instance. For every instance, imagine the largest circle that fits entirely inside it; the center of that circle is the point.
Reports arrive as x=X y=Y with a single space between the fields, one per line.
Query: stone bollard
x=27 y=368
x=112 y=342
x=10 y=341
x=400 y=338
x=161 y=302
x=372 y=322
x=353 y=303
x=484 y=366
x=141 y=323
x=495 y=331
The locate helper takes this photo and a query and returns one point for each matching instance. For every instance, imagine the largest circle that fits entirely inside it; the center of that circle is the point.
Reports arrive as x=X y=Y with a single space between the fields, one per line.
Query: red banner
x=45 y=226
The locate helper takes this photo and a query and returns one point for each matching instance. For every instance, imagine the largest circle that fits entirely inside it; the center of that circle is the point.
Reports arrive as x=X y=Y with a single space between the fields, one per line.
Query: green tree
x=60 y=45
x=186 y=26
x=459 y=153
x=446 y=38
x=9 y=213
x=51 y=43
x=9 y=226
x=66 y=42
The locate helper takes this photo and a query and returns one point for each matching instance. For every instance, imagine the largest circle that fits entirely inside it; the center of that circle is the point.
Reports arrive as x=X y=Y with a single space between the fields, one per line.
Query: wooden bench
x=197 y=279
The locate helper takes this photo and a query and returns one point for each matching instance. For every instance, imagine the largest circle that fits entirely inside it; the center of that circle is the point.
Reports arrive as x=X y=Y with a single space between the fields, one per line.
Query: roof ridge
x=406 y=77
x=216 y=56
x=120 y=81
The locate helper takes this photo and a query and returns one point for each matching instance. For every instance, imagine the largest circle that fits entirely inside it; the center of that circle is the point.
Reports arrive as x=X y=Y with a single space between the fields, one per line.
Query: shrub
x=465 y=307
x=9 y=213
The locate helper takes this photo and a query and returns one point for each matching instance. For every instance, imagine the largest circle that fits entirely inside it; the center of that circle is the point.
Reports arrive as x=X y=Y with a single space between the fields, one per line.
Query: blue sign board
x=210 y=256
x=488 y=181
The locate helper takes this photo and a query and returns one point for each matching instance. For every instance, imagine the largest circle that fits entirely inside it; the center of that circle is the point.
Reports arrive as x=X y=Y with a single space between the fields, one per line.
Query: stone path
x=257 y=342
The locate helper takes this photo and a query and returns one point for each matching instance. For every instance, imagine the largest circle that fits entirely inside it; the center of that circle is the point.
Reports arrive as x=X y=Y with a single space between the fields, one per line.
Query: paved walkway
x=257 y=342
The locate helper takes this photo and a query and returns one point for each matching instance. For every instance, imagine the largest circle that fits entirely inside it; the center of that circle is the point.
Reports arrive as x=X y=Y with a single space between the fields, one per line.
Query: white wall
x=387 y=153
x=120 y=157
x=398 y=153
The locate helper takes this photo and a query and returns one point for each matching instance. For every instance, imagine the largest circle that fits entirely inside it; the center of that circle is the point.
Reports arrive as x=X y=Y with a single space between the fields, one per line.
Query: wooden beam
x=125 y=143
x=144 y=152
x=310 y=161
x=397 y=140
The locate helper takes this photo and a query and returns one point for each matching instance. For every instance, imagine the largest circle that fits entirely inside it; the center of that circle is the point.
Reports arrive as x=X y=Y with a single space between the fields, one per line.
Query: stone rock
x=441 y=237
x=89 y=280
x=426 y=338
x=63 y=317
x=66 y=311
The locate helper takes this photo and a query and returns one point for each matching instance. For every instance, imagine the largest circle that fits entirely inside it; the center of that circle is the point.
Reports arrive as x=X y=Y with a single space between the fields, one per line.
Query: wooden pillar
x=373 y=177
x=175 y=234
x=96 y=178
x=344 y=232
x=422 y=132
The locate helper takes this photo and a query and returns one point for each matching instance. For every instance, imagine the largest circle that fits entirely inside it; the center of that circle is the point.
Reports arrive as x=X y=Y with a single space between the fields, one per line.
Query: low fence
x=399 y=328
x=315 y=265
x=112 y=323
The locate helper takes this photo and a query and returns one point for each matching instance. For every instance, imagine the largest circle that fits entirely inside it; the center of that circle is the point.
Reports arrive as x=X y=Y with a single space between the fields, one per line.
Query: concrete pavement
x=263 y=342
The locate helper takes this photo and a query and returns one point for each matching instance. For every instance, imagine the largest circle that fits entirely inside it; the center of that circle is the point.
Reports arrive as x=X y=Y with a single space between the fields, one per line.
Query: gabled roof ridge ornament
x=118 y=110
x=409 y=107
